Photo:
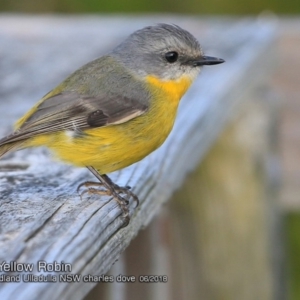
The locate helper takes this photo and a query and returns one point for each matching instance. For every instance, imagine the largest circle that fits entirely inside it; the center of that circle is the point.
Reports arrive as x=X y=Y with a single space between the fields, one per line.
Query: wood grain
x=41 y=215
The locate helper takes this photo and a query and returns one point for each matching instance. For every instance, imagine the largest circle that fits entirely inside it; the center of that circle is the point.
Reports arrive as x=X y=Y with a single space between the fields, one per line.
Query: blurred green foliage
x=293 y=254
x=162 y=6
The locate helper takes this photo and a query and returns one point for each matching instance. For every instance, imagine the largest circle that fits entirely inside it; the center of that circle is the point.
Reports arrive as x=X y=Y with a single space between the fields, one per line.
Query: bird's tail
x=6 y=145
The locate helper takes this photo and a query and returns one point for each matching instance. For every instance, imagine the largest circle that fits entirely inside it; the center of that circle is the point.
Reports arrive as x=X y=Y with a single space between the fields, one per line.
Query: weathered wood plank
x=223 y=241
x=42 y=217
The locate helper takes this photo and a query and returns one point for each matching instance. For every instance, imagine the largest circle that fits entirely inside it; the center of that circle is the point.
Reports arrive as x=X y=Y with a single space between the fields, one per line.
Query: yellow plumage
x=117 y=146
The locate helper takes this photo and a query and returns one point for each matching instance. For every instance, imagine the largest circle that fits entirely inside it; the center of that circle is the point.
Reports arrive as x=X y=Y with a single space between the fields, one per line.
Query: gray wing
x=71 y=111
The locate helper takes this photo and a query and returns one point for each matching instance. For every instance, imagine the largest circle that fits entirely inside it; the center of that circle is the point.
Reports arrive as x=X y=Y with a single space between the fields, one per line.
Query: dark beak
x=208 y=60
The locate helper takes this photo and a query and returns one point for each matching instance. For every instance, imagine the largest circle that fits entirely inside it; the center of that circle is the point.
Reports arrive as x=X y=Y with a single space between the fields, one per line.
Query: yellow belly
x=117 y=146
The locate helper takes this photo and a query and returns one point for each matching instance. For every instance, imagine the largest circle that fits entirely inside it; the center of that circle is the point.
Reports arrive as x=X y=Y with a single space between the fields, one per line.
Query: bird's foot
x=109 y=188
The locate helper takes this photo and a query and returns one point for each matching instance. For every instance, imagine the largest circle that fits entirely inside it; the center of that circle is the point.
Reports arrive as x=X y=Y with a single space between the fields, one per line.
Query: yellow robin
x=115 y=110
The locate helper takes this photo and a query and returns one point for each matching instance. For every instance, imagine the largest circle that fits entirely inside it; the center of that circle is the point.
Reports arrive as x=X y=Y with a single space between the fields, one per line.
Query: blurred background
x=166 y=6
x=284 y=82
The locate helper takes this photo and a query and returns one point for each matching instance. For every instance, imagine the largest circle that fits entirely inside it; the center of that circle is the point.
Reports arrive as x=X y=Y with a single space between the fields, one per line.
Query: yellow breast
x=114 y=147
x=173 y=89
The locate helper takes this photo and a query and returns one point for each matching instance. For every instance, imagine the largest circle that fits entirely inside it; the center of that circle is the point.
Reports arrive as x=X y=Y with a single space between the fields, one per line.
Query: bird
x=115 y=110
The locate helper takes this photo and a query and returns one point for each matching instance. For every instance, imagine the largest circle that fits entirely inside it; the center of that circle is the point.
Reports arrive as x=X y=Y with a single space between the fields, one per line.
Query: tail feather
x=7 y=146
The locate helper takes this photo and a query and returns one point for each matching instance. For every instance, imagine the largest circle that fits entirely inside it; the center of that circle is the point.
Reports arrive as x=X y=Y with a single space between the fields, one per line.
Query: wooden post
x=223 y=240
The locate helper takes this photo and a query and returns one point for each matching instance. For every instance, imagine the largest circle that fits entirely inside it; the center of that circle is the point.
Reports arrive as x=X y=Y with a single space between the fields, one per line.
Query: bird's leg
x=111 y=189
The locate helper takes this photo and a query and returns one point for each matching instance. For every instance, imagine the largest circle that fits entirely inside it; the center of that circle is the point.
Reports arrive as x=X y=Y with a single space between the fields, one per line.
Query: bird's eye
x=171 y=57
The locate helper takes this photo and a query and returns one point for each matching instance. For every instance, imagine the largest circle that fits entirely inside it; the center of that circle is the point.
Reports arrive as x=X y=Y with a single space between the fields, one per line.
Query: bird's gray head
x=165 y=51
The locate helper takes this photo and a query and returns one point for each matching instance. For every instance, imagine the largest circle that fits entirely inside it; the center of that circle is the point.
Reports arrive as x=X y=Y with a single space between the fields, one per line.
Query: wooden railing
x=42 y=218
